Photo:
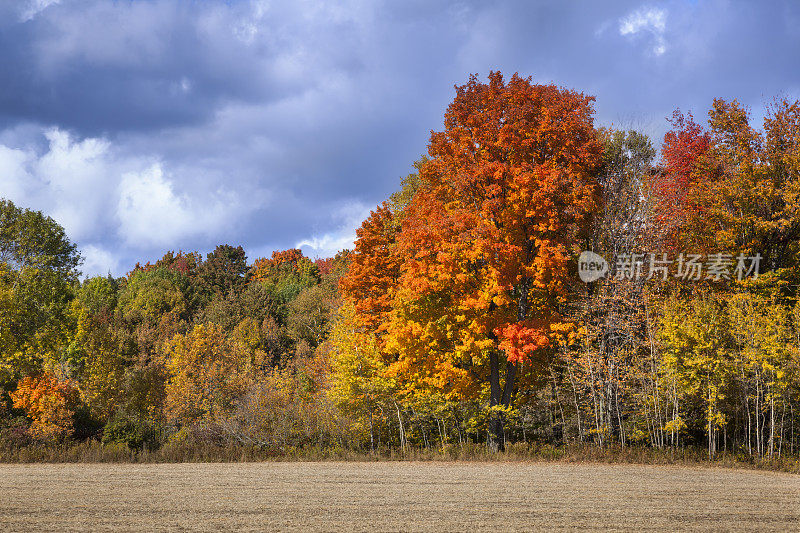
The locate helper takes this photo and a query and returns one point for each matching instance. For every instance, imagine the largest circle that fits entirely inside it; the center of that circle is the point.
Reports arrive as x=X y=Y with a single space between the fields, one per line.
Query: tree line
x=460 y=316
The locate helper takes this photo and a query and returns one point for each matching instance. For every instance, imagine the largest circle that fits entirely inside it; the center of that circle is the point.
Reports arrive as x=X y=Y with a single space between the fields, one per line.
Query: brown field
x=407 y=496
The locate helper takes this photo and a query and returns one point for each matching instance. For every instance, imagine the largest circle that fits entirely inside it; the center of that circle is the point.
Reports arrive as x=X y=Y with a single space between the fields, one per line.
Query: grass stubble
x=393 y=496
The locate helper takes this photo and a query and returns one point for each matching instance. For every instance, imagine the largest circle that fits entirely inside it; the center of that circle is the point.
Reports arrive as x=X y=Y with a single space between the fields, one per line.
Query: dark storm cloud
x=98 y=66
x=152 y=125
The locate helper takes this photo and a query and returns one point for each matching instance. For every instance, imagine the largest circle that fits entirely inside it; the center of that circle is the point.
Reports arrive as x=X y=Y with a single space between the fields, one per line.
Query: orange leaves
x=292 y=256
x=49 y=402
x=374 y=269
x=507 y=187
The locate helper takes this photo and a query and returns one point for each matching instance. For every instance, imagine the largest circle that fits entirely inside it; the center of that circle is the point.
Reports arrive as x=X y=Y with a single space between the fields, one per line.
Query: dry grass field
x=393 y=496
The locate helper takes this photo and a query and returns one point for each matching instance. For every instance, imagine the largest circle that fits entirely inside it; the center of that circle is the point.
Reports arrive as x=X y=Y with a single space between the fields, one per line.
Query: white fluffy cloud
x=13 y=172
x=92 y=189
x=345 y=221
x=150 y=212
x=69 y=180
x=646 y=19
x=99 y=261
x=76 y=176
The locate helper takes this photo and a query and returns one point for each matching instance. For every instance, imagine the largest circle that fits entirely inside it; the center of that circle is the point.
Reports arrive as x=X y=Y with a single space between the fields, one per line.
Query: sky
x=143 y=126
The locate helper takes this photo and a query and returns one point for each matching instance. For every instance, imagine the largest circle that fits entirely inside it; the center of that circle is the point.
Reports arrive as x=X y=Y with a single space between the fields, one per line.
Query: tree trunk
x=371 y=434
x=402 y=429
x=495 y=424
x=503 y=397
x=499 y=397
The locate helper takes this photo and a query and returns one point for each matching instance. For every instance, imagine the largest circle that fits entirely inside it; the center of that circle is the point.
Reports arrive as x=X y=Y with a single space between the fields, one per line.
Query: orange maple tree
x=484 y=246
x=373 y=272
x=50 y=404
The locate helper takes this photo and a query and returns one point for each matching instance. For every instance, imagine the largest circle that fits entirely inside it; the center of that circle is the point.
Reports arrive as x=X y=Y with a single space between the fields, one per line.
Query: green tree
x=224 y=269
x=29 y=239
x=38 y=265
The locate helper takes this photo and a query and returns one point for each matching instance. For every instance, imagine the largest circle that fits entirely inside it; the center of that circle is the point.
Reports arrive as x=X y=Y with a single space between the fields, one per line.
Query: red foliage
x=324 y=266
x=185 y=263
x=684 y=148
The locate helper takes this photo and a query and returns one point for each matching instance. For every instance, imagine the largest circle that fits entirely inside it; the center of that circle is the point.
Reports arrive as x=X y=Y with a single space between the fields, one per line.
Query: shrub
x=14 y=432
x=136 y=432
x=85 y=426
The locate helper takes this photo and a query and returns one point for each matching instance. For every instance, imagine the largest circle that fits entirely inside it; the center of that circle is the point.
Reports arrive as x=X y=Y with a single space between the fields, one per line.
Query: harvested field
x=392 y=496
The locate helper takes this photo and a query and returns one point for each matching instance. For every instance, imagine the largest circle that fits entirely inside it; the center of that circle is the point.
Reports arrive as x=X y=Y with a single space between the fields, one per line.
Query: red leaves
x=325 y=266
x=185 y=263
x=520 y=342
x=684 y=148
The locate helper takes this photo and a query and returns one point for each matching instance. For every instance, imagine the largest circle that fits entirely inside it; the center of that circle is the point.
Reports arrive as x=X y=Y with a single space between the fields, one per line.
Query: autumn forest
x=459 y=318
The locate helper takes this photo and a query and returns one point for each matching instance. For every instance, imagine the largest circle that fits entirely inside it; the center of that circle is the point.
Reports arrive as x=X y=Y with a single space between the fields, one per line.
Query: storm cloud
x=144 y=126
